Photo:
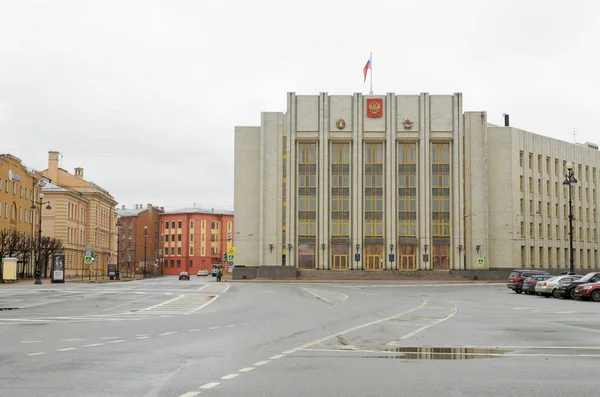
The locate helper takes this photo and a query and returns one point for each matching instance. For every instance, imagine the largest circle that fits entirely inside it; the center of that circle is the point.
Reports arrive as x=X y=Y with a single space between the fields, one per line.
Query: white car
x=203 y=273
x=550 y=287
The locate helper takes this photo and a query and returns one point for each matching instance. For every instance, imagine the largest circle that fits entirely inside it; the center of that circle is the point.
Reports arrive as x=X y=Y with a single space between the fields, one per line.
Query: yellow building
x=19 y=185
x=82 y=213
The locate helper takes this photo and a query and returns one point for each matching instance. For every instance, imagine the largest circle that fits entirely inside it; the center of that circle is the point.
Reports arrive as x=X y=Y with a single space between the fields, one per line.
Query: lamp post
x=38 y=264
x=356 y=256
x=118 y=248
x=570 y=180
x=289 y=247
x=391 y=258
x=145 y=235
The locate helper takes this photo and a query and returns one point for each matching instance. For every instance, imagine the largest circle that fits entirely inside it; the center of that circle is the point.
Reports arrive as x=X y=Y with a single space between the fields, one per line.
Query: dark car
x=567 y=291
x=516 y=277
x=184 y=276
x=529 y=283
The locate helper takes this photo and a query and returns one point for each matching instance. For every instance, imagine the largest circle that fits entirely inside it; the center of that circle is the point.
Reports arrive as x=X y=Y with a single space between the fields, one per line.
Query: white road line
x=204 y=305
x=261 y=362
x=203 y=287
x=194 y=330
x=210 y=385
x=317 y=296
x=230 y=376
x=67 y=349
x=110 y=337
x=230 y=325
x=275 y=357
x=161 y=304
x=168 y=333
x=142 y=337
x=247 y=369
x=288 y=352
x=93 y=345
x=317 y=341
x=31 y=341
x=226 y=289
x=214 y=327
x=441 y=320
x=190 y=394
x=117 y=341
x=72 y=340
x=35 y=354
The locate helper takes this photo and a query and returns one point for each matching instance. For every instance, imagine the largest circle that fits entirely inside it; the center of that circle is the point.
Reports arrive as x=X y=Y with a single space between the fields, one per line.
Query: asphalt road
x=164 y=337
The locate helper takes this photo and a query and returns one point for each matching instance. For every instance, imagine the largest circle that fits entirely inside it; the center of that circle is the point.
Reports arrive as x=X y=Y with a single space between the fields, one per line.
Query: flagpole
x=371 y=58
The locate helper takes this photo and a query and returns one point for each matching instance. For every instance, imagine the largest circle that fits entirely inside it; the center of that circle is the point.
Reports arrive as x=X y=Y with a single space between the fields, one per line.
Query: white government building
x=407 y=182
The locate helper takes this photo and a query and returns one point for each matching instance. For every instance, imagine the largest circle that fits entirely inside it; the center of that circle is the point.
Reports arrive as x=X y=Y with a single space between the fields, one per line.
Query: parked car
x=529 y=283
x=184 y=276
x=203 y=273
x=567 y=291
x=550 y=287
x=588 y=291
x=516 y=277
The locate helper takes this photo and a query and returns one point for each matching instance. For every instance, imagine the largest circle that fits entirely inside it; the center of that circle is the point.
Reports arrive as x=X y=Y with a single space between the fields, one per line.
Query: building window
x=547 y=165
x=179 y=237
x=191 y=224
x=178 y=262
x=521 y=158
x=306 y=203
x=179 y=224
x=191 y=250
x=172 y=224
x=555 y=166
x=440 y=205
x=191 y=237
x=530 y=161
x=539 y=163
x=178 y=250
x=340 y=190
x=191 y=263
x=172 y=250
x=407 y=192
x=167 y=225
x=172 y=237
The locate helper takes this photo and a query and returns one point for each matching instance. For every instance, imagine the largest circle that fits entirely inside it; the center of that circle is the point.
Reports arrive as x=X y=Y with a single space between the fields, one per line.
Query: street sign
x=357 y=257
x=231 y=251
x=231 y=258
x=88 y=250
x=391 y=257
x=480 y=262
x=88 y=259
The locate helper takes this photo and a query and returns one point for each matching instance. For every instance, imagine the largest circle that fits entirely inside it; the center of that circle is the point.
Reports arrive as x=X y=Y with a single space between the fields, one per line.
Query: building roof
x=211 y=211
x=130 y=211
x=50 y=187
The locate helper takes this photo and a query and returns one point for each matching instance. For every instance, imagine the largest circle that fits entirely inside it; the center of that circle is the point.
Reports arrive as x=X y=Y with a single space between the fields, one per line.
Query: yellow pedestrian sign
x=231 y=251
x=88 y=260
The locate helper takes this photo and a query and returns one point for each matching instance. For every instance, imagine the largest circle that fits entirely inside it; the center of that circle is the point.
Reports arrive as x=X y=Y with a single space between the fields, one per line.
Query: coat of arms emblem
x=374 y=107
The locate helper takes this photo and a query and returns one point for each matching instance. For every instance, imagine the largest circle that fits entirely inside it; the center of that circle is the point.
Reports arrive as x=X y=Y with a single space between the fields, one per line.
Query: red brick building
x=132 y=224
x=194 y=239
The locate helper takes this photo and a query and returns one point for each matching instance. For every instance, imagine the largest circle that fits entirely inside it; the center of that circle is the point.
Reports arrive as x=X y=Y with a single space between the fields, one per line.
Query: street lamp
x=38 y=264
x=391 y=258
x=570 y=180
x=145 y=235
x=118 y=248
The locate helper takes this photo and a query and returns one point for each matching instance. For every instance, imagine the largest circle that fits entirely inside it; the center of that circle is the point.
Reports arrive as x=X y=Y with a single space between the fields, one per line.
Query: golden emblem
x=340 y=124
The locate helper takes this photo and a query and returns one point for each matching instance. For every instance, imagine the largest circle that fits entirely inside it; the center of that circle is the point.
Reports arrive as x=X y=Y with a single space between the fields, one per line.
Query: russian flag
x=366 y=68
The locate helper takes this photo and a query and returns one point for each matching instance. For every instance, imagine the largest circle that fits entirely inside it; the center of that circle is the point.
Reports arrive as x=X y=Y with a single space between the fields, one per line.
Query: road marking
x=275 y=357
x=161 y=304
x=67 y=349
x=190 y=394
x=203 y=287
x=317 y=341
x=93 y=345
x=261 y=362
x=118 y=341
x=168 y=333
x=226 y=289
x=288 y=352
x=230 y=376
x=35 y=354
x=323 y=299
x=436 y=322
x=230 y=325
x=71 y=340
x=31 y=341
x=142 y=337
x=110 y=337
x=247 y=369
x=210 y=385
x=214 y=327
x=204 y=305
x=194 y=330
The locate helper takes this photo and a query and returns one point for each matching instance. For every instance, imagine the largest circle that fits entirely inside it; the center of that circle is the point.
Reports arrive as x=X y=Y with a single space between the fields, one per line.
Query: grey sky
x=144 y=94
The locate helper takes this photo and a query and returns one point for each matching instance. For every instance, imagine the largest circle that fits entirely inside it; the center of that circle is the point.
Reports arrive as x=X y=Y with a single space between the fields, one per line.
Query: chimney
x=123 y=207
x=149 y=206
x=212 y=210
x=79 y=172
x=162 y=208
x=53 y=166
x=506 y=118
x=136 y=206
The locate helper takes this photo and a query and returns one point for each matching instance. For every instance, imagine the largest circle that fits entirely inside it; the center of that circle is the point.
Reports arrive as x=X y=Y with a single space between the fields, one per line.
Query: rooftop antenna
x=575 y=130
x=194 y=205
x=61 y=159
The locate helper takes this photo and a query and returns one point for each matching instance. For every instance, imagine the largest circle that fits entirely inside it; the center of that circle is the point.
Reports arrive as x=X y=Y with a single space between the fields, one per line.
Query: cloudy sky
x=144 y=94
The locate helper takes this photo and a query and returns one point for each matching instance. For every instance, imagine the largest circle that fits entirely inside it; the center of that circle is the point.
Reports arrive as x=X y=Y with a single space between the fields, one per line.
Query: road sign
x=88 y=259
x=231 y=258
x=231 y=251
x=481 y=262
x=391 y=257
x=88 y=250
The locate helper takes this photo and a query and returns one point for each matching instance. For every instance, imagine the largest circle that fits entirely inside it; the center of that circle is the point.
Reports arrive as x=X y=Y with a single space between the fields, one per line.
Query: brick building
x=135 y=250
x=194 y=239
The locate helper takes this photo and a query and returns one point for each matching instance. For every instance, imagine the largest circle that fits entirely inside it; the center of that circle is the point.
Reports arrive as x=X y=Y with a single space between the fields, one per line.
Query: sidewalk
x=390 y=282
x=72 y=280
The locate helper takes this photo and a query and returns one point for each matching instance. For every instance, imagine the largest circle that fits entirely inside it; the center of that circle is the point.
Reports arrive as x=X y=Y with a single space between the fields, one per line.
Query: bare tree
x=50 y=246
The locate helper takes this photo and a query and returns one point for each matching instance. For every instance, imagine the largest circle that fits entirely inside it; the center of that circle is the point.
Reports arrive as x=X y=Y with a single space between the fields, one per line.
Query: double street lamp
x=570 y=180
x=118 y=225
x=145 y=235
x=38 y=264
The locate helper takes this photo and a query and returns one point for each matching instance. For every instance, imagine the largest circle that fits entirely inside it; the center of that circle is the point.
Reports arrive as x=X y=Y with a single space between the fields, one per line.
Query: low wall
x=265 y=272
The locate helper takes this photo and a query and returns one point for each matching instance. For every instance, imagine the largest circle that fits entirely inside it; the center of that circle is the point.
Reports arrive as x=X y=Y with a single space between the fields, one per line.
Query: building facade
x=400 y=182
x=82 y=214
x=139 y=241
x=19 y=189
x=193 y=239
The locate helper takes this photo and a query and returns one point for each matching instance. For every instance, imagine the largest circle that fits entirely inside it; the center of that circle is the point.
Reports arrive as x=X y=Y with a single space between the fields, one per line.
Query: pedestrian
x=219 y=274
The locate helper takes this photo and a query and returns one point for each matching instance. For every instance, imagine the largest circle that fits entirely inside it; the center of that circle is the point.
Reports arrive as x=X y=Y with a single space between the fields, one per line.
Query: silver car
x=550 y=287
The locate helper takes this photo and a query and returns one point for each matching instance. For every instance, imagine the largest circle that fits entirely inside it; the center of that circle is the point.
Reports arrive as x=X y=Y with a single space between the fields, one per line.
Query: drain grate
x=8 y=308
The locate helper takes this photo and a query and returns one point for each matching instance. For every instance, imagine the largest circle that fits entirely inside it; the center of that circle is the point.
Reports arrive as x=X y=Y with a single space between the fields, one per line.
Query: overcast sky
x=144 y=95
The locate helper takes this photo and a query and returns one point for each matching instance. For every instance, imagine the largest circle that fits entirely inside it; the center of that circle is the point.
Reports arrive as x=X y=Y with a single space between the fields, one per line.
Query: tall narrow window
x=373 y=205
x=407 y=206
x=307 y=204
x=340 y=206
x=440 y=204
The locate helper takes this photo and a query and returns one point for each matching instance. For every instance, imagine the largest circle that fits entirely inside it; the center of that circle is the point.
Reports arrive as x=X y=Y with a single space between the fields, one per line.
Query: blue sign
x=357 y=257
x=391 y=257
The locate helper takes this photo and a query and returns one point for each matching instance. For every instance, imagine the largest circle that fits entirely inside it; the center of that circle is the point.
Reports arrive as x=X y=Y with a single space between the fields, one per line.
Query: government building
x=405 y=183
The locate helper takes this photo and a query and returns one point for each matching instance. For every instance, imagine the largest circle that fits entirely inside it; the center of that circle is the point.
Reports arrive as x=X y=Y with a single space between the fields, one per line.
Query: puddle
x=443 y=353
